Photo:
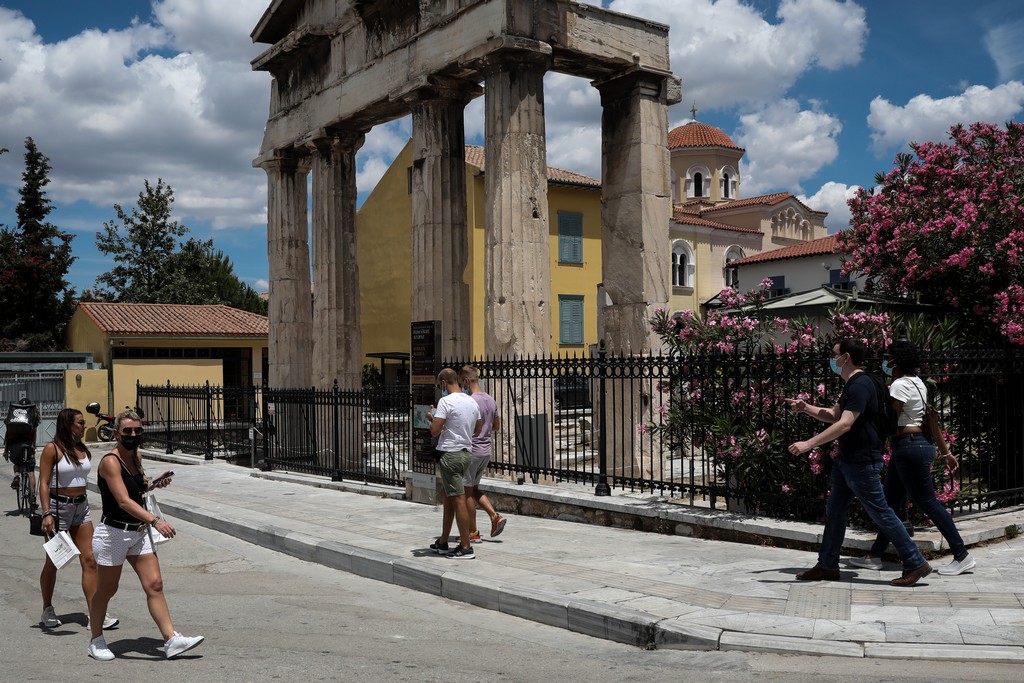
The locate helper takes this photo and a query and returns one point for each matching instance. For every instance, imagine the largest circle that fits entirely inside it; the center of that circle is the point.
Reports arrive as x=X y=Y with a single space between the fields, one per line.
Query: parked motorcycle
x=104 y=422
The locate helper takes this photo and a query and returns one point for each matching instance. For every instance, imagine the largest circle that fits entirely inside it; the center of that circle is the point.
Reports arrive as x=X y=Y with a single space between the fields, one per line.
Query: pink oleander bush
x=947 y=224
x=735 y=366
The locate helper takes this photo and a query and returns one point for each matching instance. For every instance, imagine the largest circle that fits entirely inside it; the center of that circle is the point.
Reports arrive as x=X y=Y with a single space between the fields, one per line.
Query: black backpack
x=885 y=418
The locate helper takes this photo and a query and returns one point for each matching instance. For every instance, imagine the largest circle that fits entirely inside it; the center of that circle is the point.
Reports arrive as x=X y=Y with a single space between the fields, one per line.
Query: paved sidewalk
x=651 y=590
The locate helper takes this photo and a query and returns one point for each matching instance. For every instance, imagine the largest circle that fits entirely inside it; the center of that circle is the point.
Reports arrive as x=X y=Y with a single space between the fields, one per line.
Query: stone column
x=517 y=267
x=440 y=240
x=290 y=307
x=636 y=205
x=636 y=209
x=337 y=336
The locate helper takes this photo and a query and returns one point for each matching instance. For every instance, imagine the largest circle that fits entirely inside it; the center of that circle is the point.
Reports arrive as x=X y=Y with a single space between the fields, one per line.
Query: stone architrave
x=337 y=347
x=517 y=266
x=636 y=210
x=290 y=306
x=440 y=243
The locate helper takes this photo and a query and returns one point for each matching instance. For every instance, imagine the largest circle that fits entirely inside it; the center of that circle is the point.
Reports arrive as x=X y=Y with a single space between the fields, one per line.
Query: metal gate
x=45 y=389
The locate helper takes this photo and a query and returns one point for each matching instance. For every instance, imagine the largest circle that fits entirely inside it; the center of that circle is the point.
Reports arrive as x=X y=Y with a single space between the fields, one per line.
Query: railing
x=587 y=421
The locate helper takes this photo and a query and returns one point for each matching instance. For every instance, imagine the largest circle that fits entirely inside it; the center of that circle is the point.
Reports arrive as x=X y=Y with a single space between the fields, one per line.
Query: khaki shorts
x=452 y=470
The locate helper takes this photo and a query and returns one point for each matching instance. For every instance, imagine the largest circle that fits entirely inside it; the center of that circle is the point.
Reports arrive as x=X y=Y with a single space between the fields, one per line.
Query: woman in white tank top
x=63 y=474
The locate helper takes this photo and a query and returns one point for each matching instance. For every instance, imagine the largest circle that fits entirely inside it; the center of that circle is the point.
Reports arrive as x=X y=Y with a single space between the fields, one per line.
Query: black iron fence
x=707 y=431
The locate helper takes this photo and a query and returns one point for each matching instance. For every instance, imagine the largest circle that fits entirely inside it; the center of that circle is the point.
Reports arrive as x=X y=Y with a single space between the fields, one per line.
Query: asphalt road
x=270 y=617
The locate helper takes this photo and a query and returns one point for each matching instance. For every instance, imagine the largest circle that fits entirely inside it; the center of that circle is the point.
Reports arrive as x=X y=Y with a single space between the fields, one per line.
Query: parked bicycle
x=20 y=449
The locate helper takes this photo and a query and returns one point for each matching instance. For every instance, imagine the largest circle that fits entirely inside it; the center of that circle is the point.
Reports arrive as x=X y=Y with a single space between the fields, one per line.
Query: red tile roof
x=818 y=247
x=475 y=156
x=764 y=200
x=180 y=320
x=696 y=134
x=680 y=215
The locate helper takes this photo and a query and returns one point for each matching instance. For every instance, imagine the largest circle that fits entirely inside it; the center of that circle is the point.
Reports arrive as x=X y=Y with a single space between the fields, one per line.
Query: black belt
x=124 y=526
x=73 y=500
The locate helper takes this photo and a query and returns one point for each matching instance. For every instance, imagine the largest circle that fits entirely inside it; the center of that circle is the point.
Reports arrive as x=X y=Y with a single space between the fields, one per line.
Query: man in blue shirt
x=857 y=469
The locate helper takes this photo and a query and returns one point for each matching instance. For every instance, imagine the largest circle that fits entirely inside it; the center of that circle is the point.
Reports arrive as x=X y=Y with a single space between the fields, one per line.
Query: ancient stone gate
x=341 y=66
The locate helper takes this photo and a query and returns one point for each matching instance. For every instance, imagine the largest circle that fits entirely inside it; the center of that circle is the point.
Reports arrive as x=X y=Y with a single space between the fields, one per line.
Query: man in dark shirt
x=857 y=469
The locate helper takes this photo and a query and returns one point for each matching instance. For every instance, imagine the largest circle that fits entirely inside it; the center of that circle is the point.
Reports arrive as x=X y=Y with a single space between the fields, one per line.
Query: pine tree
x=35 y=259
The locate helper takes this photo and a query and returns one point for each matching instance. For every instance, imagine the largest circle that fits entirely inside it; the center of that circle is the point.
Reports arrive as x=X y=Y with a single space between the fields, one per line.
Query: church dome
x=697 y=134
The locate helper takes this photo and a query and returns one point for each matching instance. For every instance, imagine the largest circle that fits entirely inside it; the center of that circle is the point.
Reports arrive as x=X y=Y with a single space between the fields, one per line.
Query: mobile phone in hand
x=162 y=477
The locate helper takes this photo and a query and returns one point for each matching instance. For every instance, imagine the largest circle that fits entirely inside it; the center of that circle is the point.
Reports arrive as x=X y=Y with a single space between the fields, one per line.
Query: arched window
x=697 y=182
x=728 y=184
x=730 y=274
x=725 y=185
x=682 y=264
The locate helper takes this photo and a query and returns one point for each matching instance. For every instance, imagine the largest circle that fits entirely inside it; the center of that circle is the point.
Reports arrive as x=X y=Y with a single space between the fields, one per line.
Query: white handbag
x=61 y=549
x=155 y=537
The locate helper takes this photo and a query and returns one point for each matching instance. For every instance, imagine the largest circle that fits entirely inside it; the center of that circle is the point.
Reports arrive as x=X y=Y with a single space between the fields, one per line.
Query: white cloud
x=1005 y=44
x=833 y=198
x=727 y=53
x=174 y=99
x=925 y=118
x=785 y=145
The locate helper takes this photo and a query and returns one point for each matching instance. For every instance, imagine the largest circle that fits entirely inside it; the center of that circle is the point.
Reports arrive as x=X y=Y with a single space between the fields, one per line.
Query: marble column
x=290 y=306
x=636 y=205
x=517 y=266
x=337 y=336
x=636 y=209
x=440 y=240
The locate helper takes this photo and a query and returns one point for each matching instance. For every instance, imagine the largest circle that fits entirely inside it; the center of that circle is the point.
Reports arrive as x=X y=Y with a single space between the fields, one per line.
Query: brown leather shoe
x=818 y=573
x=912 y=576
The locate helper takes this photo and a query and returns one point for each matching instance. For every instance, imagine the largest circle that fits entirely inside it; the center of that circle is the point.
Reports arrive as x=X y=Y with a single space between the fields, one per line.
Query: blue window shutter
x=570 y=237
x=570 y=319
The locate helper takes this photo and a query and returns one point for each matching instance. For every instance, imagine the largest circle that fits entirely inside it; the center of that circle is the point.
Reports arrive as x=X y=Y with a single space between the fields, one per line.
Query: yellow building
x=157 y=343
x=712 y=225
x=384 y=225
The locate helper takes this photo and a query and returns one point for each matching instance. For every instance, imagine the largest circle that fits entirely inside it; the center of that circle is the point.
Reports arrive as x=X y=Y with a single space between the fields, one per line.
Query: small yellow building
x=157 y=343
x=712 y=225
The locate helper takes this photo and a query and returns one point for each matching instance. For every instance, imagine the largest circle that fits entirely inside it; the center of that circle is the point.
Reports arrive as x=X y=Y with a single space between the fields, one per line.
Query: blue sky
x=821 y=93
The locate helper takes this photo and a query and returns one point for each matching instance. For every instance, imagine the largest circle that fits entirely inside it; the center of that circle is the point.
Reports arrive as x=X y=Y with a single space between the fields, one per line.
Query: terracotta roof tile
x=818 y=247
x=680 y=215
x=475 y=156
x=182 y=320
x=764 y=199
x=696 y=134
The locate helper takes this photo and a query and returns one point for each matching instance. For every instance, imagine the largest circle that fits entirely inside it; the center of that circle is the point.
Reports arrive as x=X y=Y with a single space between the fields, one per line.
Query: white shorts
x=111 y=545
x=476 y=469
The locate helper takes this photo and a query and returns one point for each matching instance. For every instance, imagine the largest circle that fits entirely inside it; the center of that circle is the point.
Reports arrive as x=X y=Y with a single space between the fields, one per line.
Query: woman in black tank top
x=123 y=534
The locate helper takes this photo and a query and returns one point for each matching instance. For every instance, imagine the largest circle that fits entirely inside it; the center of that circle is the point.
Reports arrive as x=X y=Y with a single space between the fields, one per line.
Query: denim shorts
x=69 y=514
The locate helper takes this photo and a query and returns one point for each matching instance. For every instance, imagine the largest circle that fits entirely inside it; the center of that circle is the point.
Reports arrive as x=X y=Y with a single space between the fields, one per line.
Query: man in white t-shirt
x=454 y=422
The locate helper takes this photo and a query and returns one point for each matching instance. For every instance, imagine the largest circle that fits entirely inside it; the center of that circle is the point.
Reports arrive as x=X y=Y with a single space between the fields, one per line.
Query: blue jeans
x=910 y=473
x=863 y=481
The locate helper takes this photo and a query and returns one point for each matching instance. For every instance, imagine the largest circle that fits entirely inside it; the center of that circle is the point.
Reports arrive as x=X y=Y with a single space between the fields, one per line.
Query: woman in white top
x=63 y=474
x=910 y=467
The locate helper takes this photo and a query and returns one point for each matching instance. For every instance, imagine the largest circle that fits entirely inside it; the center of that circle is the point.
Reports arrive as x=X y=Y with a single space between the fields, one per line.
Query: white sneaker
x=178 y=643
x=109 y=622
x=49 y=618
x=98 y=649
x=867 y=562
x=955 y=567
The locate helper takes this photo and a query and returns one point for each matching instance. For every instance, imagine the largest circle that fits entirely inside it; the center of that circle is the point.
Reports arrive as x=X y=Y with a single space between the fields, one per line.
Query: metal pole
x=170 y=402
x=602 y=488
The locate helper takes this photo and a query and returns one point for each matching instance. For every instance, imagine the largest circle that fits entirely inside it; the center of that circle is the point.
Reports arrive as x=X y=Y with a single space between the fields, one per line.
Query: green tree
x=143 y=244
x=35 y=258
x=154 y=266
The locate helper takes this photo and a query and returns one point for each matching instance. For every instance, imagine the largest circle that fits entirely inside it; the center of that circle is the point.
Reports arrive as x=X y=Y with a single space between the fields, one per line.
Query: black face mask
x=131 y=442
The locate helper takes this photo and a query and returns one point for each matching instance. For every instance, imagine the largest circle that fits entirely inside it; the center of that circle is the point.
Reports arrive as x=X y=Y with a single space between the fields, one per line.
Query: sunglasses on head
x=131 y=431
